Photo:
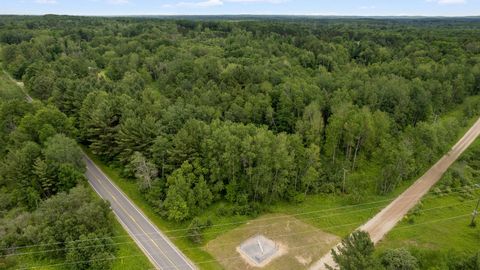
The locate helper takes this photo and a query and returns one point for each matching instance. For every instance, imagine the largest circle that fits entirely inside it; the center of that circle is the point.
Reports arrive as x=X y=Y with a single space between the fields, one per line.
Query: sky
x=267 y=7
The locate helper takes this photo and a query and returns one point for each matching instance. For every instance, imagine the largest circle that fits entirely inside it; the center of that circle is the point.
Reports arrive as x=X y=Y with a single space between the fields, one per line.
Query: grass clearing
x=176 y=232
x=8 y=88
x=32 y=262
x=445 y=228
x=334 y=214
x=440 y=227
x=303 y=243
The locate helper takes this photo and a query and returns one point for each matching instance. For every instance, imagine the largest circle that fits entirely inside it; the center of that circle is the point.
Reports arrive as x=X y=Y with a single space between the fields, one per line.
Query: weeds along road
x=386 y=219
x=161 y=252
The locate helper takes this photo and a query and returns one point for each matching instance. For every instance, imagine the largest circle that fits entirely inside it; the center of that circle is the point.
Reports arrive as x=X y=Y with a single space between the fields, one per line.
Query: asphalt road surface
x=386 y=219
x=161 y=252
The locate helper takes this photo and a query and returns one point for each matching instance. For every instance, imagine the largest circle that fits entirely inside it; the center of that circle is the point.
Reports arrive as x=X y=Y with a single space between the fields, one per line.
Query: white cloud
x=46 y=2
x=448 y=2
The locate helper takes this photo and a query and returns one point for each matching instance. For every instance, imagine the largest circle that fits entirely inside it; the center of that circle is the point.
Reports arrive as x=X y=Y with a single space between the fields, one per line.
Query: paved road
x=161 y=252
x=386 y=219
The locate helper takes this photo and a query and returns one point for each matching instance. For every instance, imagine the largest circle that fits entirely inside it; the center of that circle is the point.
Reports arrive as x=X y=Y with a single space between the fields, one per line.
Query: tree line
x=250 y=112
x=46 y=209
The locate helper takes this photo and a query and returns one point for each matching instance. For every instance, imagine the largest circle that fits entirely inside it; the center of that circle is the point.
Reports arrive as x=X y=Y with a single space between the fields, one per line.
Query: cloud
x=46 y=2
x=448 y=2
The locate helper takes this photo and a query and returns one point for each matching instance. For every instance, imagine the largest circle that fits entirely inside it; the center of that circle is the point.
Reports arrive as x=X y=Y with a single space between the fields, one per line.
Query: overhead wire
x=226 y=244
x=239 y=256
x=461 y=189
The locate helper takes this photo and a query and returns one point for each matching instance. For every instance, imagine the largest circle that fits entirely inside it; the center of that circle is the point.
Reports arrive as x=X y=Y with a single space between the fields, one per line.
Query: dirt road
x=384 y=221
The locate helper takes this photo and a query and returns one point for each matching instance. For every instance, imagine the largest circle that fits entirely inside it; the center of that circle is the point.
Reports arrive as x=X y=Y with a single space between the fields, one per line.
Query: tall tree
x=355 y=252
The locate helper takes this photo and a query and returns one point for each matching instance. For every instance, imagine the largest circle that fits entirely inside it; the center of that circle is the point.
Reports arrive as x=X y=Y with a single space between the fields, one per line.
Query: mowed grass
x=300 y=243
x=176 y=232
x=440 y=227
x=335 y=214
x=442 y=224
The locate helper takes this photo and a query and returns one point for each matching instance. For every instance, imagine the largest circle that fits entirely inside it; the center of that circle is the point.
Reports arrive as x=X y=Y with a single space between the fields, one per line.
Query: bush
x=196 y=228
x=399 y=259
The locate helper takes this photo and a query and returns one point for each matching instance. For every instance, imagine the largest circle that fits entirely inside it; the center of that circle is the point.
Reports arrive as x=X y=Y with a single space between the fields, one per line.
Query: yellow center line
x=133 y=219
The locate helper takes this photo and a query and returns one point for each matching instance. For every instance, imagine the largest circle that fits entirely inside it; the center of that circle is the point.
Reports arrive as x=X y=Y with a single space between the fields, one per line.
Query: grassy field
x=176 y=232
x=338 y=215
x=301 y=242
x=8 y=89
x=439 y=227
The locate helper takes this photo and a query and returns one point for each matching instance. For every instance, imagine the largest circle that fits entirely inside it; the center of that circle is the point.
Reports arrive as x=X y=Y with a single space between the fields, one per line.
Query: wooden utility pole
x=344 y=179
x=475 y=214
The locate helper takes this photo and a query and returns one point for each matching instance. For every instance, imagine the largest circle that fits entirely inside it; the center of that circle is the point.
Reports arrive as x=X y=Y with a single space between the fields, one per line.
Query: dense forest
x=46 y=209
x=247 y=111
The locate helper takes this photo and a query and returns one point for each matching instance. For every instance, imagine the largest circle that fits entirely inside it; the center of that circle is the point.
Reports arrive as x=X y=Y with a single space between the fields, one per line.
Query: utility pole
x=475 y=214
x=344 y=178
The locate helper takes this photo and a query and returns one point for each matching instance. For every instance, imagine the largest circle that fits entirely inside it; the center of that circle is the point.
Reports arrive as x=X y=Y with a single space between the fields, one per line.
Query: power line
x=238 y=256
x=474 y=214
x=76 y=262
x=243 y=222
x=226 y=244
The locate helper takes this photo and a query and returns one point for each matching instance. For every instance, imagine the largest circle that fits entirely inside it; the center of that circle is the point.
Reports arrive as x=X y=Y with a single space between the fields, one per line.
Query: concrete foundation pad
x=258 y=250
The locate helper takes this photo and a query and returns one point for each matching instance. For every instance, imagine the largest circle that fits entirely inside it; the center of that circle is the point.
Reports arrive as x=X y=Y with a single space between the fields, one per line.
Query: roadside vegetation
x=437 y=234
x=338 y=214
x=206 y=122
x=49 y=218
x=442 y=238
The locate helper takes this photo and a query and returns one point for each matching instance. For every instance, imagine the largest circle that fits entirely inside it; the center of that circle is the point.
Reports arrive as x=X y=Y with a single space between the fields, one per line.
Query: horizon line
x=240 y=14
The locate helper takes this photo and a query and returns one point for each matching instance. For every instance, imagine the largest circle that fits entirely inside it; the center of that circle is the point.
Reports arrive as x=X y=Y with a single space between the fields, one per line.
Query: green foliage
x=44 y=123
x=91 y=251
x=264 y=110
x=43 y=206
x=399 y=259
x=144 y=171
x=468 y=263
x=60 y=149
x=250 y=112
x=433 y=232
x=196 y=228
x=355 y=252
